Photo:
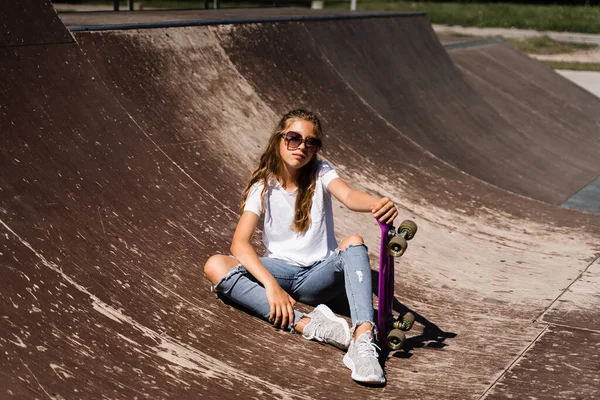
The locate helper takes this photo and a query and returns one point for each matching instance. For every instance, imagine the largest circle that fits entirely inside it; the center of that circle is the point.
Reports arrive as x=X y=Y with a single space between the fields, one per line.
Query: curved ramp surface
x=124 y=160
x=558 y=121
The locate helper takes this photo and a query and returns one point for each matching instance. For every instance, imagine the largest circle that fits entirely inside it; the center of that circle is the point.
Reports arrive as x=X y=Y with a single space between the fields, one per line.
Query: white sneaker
x=325 y=327
x=363 y=361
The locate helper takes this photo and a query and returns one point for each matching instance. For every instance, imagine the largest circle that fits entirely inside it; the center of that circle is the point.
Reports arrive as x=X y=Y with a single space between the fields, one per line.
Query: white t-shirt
x=303 y=249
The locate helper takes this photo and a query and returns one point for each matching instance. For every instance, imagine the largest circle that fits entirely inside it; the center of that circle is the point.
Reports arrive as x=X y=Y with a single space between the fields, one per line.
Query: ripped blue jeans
x=313 y=285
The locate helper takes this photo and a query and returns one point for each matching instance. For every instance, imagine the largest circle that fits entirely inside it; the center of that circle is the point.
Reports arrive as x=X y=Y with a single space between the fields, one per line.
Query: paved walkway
x=588 y=80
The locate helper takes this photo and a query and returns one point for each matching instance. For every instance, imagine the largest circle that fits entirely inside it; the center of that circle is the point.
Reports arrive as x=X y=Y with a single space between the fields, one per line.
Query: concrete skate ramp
x=123 y=160
x=558 y=120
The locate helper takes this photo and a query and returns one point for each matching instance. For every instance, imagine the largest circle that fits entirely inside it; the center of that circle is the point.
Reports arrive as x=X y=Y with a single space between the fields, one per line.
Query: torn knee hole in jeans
x=339 y=250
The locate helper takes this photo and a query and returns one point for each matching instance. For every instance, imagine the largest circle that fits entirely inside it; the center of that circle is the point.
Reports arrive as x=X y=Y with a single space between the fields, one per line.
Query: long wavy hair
x=271 y=167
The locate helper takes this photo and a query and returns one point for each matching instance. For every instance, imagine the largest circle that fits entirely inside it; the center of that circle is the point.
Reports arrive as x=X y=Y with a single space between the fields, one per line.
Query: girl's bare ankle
x=362 y=328
x=302 y=324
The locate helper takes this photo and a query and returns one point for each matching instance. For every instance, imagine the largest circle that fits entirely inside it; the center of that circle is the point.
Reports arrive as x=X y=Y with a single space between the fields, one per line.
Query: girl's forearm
x=245 y=254
x=360 y=201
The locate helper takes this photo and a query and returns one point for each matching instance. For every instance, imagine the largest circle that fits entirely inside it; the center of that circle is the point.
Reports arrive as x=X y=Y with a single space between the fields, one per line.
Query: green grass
x=573 y=66
x=546 y=45
x=584 y=19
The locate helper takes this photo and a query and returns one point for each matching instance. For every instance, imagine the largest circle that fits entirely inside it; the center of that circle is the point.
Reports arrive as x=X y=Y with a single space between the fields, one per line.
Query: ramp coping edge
x=178 y=24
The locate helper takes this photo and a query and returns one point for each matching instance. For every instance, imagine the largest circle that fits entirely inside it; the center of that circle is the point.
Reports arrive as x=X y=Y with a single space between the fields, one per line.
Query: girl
x=303 y=261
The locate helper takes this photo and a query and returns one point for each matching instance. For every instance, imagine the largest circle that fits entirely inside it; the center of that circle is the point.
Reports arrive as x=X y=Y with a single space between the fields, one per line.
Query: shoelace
x=367 y=348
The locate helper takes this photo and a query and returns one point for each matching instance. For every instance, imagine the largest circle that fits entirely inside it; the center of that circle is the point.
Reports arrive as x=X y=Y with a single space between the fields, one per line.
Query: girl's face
x=296 y=155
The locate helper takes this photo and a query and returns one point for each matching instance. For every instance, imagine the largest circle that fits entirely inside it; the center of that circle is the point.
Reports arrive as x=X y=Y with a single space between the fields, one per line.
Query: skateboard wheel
x=409 y=228
x=396 y=339
x=397 y=246
x=406 y=323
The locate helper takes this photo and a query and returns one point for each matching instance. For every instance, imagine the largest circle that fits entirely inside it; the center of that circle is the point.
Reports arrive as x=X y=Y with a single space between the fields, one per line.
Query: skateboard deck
x=393 y=245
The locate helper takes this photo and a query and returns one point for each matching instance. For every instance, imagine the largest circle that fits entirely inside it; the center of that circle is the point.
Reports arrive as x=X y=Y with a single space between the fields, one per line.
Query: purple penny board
x=393 y=244
x=386 y=282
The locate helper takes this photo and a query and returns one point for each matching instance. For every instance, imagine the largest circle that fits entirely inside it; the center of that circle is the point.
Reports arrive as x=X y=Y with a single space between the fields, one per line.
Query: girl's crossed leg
x=232 y=280
x=347 y=268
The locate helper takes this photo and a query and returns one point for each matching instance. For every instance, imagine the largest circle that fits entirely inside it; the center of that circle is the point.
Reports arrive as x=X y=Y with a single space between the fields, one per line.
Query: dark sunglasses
x=293 y=140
